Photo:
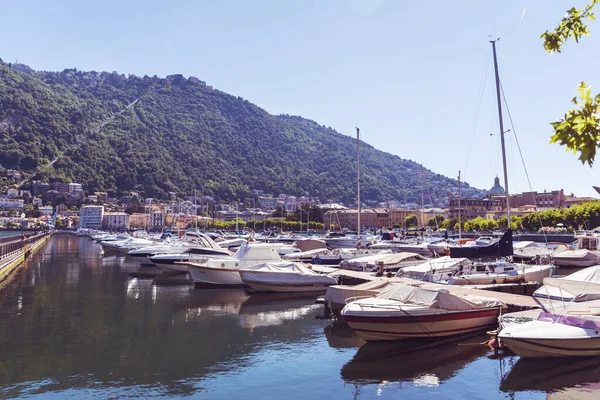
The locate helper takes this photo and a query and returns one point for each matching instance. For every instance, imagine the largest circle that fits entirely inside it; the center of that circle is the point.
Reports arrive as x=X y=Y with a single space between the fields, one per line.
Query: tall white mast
x=459 y=227
x=358 y=182
x=501 y=134
x=195 y=211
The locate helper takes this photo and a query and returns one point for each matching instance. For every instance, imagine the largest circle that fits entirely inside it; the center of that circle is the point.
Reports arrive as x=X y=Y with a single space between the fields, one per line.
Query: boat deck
x=514 y=301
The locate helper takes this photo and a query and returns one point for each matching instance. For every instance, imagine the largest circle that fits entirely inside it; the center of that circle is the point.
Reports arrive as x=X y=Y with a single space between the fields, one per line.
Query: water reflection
x=73 y=323
x=565 y=375
x=273 y=309
x=340 y=336
x=85 y=324
x=420 y=361
x=205 y=304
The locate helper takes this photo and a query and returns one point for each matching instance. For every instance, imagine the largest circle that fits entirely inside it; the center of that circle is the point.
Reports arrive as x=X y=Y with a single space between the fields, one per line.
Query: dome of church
x=496 y=189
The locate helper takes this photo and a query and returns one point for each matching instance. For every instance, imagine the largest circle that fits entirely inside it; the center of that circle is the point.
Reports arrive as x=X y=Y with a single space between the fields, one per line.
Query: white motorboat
x=349 y=241
x=224 y=271
x=436 y=269
x=176 y=262
x=285 y=278
x=178 y=246
x=502 y=272
x=390 y=261
x=124 y=246
x=553 y=335
x=590 y=274
x=401 y=312
x=576 y=258
x=421 y=248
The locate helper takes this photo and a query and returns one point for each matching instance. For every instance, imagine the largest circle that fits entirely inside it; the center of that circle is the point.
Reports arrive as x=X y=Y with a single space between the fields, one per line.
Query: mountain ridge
x=183 y=134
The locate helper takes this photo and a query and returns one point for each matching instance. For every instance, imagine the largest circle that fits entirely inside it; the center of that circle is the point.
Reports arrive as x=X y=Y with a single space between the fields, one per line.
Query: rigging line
x=477 y=109
x=522 y=160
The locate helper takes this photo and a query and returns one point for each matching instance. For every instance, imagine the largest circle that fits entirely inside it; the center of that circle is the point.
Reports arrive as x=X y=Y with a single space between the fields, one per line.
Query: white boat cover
x=437 y=298
x=532 y=251
x=292 y=273
x=574 y=287
x=567 y=292
x=440 y=265
x=338 y=294
x=581 y=254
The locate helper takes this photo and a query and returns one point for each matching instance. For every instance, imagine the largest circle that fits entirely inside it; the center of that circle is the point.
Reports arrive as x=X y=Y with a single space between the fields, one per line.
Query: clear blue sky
x=408 y=73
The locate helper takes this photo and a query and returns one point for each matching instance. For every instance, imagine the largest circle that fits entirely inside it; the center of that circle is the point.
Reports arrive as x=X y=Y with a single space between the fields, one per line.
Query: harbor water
x=76 y=324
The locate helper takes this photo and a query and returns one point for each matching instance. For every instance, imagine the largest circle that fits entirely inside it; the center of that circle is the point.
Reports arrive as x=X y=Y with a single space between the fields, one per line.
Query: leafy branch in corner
x=573 y=25
x=579 y=130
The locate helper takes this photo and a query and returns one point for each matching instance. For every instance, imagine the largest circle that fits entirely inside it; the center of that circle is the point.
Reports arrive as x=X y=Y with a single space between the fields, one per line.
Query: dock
x=514 y=301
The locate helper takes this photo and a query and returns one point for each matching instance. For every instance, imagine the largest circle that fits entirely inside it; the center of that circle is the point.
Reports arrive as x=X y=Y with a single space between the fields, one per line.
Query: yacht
x=224 y=271
x=177 y=262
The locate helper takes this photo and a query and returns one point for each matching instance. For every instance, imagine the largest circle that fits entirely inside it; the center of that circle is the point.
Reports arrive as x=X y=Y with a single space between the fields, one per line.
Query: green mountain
x=181 y=134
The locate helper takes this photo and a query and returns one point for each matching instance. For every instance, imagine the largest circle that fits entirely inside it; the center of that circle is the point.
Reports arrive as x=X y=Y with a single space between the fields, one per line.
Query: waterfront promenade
x=15 y=249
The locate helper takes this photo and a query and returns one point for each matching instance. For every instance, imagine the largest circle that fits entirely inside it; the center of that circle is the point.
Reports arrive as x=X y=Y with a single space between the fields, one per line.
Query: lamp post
x=22 y=227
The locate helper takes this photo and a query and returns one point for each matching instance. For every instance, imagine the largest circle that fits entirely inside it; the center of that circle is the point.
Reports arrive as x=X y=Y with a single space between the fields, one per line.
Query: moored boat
x=552 y=335
x=285 y=278
x=225 y=271
x=401 y=312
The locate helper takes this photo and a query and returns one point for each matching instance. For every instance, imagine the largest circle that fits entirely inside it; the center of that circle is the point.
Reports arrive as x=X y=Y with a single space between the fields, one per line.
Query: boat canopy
x=288 y=272
x=577 y=254
x=567 y=293
x=437 y=298
x=338 y=294
x=575 y=287
x=286 y=267
x=436 y=265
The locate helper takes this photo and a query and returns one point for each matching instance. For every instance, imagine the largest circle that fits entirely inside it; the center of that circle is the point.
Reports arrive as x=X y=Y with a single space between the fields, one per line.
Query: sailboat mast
x=459 y=227
x=358 y=182
x=422 y=195
x=501 y=133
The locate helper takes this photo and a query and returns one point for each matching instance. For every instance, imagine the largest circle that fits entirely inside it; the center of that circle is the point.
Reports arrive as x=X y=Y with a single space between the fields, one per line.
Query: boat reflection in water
x=422 y=361
x=340 y=336
x=570 y=378
x=206 y=304
x=273 y=309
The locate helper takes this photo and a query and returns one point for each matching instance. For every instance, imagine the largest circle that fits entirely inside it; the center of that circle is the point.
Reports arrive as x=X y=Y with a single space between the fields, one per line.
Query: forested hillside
x=181 y=135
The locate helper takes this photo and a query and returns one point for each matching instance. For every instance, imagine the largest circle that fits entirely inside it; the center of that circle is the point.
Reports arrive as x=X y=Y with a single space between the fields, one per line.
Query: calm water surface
x=76 y=324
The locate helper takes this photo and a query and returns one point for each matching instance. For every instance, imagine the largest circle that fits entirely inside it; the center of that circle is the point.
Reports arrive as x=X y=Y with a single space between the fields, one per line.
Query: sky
x=416 y=77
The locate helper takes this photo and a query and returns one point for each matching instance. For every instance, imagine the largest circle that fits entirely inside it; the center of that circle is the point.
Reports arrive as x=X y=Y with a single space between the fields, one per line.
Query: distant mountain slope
x=183 y=135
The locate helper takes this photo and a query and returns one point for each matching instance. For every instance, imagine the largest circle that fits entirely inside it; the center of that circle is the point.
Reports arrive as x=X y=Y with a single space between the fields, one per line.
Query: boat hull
x=205 y=276
x=412 y=326
x=285 y=287
x=173 y=268
x=541 y=348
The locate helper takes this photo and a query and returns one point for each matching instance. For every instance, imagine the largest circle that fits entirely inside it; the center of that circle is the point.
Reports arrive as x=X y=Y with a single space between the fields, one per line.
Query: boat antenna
x=358 y=182
x=499 y=97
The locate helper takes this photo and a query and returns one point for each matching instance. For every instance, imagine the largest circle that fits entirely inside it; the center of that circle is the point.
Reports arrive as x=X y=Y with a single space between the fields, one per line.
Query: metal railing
x=11 y=245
